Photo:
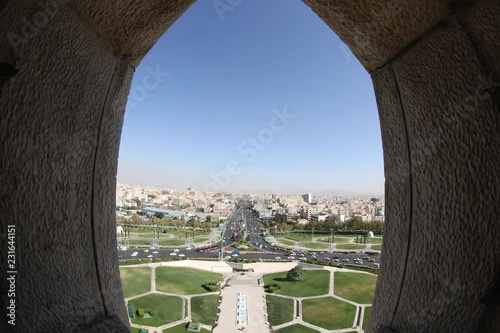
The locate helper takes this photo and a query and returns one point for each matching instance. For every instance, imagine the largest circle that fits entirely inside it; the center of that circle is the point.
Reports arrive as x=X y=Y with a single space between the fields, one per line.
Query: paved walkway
x=256 y=305
x=257 y=311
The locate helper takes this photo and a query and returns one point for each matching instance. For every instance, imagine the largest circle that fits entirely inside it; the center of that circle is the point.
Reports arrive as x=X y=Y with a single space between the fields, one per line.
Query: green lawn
x=307 y=237
x=351 y=246
x=135 y=330
x=166 y=309
x=374 y=241
x=135 y=281
x=285 y=241
x=183 y=281
x=328 y=312
x=335 y=240
x=366 y=316
x=315 y=283
x=377 y=247
x=181 y=328
x=172 y=242
x=311 y=245
x=279 y=309
x=201 y=239
x=296 y=329
x=204 y=309
x=357 y=287
x=139 y=242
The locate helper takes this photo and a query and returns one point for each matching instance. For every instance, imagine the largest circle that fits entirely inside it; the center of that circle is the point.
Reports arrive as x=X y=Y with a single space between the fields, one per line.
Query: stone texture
x=398 y=186
x=133 y=27
x=454 y=149
x=376 y=31
x=61 y=120
x=48 y=137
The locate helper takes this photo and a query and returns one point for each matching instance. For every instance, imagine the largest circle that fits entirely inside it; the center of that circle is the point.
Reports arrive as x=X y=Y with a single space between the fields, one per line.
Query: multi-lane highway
x=244 y=220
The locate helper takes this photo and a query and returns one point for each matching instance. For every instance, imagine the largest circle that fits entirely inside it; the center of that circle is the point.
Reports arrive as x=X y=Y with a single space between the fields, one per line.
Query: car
x=327 y=258
x=227 y=257
x=376 y=265
x=321 y=252
x=290 y=258
x=173 y=254
x=176 y=250
x=277 y=258
x=150 y=256
x=189 y=248
x=336 y=260
x=155 y=252
x=345 y=260
x=235 y=254
x=133 y=255
x=182 y=255
x=371 y=260
x=145 y=251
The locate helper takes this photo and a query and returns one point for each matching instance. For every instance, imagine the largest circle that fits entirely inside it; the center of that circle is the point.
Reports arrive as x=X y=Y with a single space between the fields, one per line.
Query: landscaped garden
x=184 y=281
x=181 y=328
x=204 y=309
x=296 y=329
x=280 y=310
x=366 y=316
x=318 y=246
x=316 y=282
x=377 y=247
x=328 y=312
x=155 y=310
x=357 y=287
x=351 y=246
x=135 y=281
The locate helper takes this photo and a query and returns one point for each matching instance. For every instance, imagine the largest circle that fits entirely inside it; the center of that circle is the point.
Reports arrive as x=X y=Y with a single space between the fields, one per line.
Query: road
x=246 y=218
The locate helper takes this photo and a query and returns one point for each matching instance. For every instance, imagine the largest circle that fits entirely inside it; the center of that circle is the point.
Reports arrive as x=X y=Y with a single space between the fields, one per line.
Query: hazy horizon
x=262 y=98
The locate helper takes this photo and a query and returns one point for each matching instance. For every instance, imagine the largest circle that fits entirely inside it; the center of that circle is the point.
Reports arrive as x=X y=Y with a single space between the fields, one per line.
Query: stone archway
x=65 y=73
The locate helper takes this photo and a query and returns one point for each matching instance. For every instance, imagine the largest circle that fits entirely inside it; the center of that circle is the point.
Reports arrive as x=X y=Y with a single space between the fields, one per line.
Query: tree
x=295 y=274
x=159 y=215
x=208 y=218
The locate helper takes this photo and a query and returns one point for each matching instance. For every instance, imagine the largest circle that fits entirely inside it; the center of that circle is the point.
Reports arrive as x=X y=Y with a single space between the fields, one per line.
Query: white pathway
x=257 y=311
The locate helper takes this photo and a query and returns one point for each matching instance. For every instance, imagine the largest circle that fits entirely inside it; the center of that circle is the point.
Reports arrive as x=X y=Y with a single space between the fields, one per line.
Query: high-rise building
x=307 y=197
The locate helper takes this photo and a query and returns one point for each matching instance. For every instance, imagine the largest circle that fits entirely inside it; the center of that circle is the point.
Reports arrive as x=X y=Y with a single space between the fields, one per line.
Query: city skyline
x=280 y=106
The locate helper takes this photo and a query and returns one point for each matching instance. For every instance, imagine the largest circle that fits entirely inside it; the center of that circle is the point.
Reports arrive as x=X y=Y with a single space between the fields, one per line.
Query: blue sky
x=229 y=74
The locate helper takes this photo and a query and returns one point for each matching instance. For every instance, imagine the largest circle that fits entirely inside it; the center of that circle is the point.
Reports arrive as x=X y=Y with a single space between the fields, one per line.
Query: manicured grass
x=377 y=247
x=315 y=245
x=357 y=287
x=328 y=312
x=135 y=330
x=351 y=246
x=279 y=309
x=183 y=281
x=296 y=329
x=201 y=239
x=286 y=241
x=172 y=242
x=139 y=242
x=335 y=240
x=135 y=281
x=181 y=328
x=299 y=236
x=366 y=316
x=315 y=283
x=166 y=309
x=374 y=240
x=204 y=309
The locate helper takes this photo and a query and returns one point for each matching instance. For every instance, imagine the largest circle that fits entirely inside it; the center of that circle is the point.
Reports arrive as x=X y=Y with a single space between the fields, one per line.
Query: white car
x=133 y=255
x=227 y=257
x=155 y=252
x=176 y=250
x=277 y=258
x=173 y=254
x=182 y=255
x=235 y=255
x=189 y=248
x=150 y=256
